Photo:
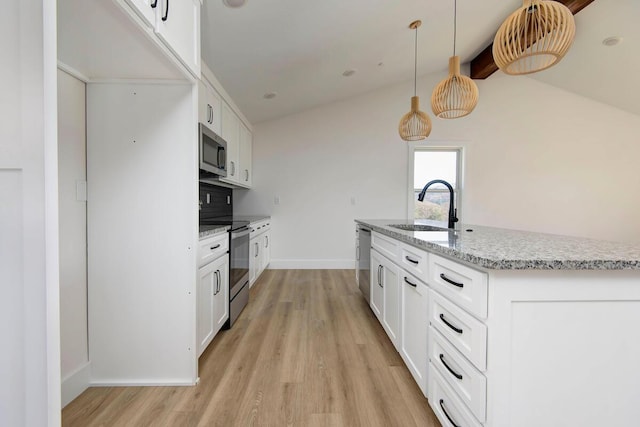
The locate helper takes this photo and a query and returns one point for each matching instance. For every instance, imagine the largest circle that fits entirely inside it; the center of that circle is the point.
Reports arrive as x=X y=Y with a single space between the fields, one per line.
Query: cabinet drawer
x=258 y=228
x=386 y=246
x=447 y=406
x=468 y=383
x=212 y=248
x=467 y=334
x=463 y=285
x=414 y=260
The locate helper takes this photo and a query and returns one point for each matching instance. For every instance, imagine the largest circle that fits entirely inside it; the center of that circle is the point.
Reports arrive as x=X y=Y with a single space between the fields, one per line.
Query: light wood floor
x=306 y=351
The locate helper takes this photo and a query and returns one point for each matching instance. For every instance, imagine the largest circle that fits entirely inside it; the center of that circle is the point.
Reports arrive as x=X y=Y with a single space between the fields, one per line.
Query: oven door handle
x=239 y=233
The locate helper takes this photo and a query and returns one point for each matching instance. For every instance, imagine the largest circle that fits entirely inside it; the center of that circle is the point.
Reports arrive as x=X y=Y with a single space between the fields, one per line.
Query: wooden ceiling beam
x=483 y=65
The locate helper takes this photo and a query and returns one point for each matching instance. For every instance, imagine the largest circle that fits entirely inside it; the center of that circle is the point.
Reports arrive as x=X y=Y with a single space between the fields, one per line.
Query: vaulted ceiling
x=300 y=49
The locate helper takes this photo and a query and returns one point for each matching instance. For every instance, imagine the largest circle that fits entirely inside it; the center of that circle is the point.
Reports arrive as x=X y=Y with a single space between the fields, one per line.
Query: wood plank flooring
x=306 y=351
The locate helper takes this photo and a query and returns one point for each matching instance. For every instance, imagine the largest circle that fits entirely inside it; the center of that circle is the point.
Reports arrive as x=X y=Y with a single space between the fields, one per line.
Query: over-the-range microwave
x=213 y=152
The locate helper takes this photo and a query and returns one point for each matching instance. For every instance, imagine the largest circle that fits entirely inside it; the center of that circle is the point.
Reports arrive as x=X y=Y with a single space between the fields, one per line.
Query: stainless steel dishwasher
x=363 y=259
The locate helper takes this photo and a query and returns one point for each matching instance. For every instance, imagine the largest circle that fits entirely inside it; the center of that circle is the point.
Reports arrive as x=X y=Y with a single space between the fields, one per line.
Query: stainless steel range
x=239 y=270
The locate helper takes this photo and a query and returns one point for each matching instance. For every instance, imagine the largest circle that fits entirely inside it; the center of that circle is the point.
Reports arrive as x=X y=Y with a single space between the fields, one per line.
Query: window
x=429 y=164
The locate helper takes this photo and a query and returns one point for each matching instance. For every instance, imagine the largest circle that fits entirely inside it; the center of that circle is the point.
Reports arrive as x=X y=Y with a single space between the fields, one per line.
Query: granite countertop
x=210 y=230
x=502 y=249
x=251 y=218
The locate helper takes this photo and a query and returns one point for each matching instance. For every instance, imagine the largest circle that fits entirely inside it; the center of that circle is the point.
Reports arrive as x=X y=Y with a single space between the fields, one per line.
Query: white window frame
x=436 y=146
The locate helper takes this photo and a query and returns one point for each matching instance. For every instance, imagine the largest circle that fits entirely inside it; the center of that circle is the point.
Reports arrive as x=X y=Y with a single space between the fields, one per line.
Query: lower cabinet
x=414 y=327
x=213 y=300
x=259 y=250
x=400 y=302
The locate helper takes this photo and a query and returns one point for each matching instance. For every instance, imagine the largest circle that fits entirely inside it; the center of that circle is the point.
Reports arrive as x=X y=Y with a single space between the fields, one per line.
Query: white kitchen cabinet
x=176 y=24
x=377 y=291
x=246 y=142
x=209 y=107
x=230 y=131
x=145 y=9
x=212 y=297
x=414 y=327
x=259 y=249
x=386 y=296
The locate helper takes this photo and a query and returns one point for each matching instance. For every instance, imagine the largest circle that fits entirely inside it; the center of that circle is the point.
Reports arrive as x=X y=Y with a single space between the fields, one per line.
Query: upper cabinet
x=246 y=143
x=209 y=107
x=217 y=111
x=176 y=23
x=231 y=134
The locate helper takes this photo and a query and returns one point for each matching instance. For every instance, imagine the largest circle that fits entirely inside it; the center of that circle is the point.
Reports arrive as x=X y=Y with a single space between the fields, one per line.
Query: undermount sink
x=417 y=227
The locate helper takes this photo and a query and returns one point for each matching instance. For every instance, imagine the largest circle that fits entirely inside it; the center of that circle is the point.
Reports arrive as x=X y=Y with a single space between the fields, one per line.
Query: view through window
x=430 y=164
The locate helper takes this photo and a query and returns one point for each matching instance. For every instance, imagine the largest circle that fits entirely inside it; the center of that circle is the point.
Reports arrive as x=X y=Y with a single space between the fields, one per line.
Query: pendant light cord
x=415 y=65
x=455 y=29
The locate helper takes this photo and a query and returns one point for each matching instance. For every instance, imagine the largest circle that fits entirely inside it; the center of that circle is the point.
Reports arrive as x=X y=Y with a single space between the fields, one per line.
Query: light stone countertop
x=503 y=249
x=210 y=230
x=251 y=218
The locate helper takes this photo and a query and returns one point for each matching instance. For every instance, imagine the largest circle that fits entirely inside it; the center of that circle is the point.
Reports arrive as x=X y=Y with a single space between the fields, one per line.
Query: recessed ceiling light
x=234 y=3
x=612 y=41
x=270 y=95
x=380 y=64
x=349 y=73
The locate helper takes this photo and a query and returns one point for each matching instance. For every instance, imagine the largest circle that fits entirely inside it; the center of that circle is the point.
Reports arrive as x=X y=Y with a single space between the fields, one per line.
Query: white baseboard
x=75 y=383
x=143 y=383
x=312 y=264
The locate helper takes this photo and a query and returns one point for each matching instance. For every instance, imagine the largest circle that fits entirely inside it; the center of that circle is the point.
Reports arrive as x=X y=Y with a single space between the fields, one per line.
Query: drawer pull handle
x=446 y=279
x=454 y=373
x=411 y=260
x=409 y=283
x=444 y=411
x=458 y=330
x=215 y=247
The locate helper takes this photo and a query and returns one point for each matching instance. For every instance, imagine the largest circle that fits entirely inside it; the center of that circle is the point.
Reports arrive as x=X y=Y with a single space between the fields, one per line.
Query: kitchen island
x=523 y=329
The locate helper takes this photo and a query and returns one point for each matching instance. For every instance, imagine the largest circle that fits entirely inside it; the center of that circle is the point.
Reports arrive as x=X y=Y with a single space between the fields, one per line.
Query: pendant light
x=457 y=95
x=415 y=125
x=534 y=38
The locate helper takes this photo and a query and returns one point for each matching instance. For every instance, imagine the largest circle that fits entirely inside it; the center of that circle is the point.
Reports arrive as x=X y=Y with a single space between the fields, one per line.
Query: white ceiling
x=300 y=49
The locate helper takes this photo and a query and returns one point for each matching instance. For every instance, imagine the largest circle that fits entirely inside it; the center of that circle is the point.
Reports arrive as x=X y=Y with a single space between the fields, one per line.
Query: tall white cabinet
x=142 y=233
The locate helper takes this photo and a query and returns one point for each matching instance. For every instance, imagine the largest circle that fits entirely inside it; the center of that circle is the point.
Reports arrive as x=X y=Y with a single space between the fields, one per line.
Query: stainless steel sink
x=417 y=227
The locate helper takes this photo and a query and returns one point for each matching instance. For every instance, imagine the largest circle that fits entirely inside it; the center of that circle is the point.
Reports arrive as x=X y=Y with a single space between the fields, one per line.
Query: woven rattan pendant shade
x=456 y=96
x=534 y=38
x=416 y=124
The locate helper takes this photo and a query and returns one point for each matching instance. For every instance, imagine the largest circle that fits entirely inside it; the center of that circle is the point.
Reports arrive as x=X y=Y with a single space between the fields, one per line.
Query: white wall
x=29 y=316
x=72 y=171
x=536 y=158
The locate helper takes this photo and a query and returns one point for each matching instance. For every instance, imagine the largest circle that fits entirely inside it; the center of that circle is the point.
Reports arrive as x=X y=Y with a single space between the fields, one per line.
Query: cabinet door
x=254 y=251
x=230 y=131
x=245 y=156
x=209 y=105
x=414 y=327
x=266 y=250
x=221 y=297
x=391 y=310
x=377 y=290
x=144 y=10
x=205 y=297
x=179 y=28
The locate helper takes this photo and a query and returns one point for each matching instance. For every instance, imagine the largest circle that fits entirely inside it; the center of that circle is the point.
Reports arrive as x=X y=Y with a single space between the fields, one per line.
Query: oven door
x=238 y=260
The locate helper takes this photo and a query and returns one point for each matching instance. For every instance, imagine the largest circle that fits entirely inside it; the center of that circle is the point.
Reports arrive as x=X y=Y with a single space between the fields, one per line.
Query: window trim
x=436 y=146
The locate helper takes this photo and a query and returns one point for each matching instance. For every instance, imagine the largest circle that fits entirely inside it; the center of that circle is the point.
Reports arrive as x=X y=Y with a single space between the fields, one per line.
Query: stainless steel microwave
x=213 y=151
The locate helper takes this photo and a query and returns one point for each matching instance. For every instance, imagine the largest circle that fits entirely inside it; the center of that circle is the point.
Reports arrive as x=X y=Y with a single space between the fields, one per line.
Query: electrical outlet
x=208 y=198
x=276 y=200
x=228 y=200
x=353 y=200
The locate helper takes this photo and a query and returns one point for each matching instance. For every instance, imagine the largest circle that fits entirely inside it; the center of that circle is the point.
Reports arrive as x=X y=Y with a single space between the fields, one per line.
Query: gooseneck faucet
x=452 y=211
